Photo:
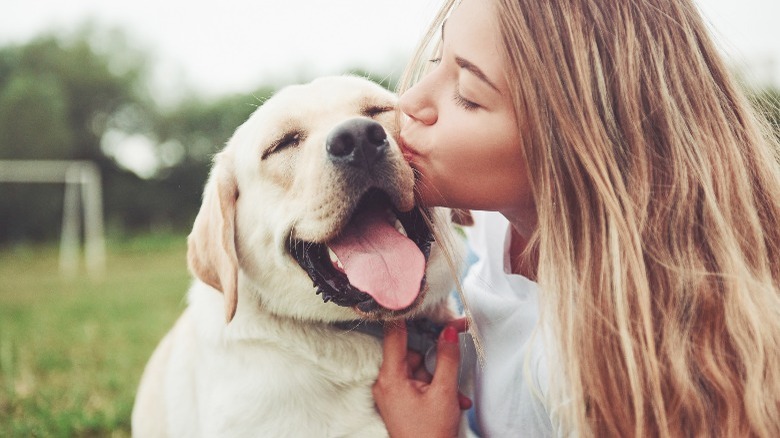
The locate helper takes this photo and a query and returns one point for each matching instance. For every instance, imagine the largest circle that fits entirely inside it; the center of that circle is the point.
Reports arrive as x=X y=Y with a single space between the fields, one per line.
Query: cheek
x=482 y=172
x=477 y=151
x=442 y=172
x=465 y=161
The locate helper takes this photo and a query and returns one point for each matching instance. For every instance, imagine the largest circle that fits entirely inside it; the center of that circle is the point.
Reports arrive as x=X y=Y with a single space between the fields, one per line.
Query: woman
x=638 y=200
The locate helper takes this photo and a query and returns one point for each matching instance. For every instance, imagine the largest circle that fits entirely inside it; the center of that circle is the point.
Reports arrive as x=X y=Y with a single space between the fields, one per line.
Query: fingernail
x=450 y=334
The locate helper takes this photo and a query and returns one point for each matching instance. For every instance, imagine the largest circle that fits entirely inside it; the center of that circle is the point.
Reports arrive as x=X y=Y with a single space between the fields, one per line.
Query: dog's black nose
x=358 y=142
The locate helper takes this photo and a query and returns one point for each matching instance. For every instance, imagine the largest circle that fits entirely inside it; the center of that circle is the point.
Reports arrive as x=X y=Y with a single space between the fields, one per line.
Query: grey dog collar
x=422 y=337
x=422 y=334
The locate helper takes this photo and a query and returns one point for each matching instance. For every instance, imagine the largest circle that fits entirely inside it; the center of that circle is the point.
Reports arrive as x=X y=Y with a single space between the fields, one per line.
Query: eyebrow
x=465 y=64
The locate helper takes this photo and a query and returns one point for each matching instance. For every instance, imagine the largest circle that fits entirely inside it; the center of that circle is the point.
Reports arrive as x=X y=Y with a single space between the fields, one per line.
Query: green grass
x=72 y=350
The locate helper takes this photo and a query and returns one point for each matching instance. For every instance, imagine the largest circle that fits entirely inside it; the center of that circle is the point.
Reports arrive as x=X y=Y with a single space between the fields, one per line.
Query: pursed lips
x=408 y=152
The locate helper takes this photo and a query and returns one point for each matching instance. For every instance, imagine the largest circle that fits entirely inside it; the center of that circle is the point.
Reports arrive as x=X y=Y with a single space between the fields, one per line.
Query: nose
x=358 y=142
x=416 y=103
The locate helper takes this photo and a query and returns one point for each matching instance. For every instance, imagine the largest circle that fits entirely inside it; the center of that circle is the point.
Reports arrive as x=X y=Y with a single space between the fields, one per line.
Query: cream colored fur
x=255 y=353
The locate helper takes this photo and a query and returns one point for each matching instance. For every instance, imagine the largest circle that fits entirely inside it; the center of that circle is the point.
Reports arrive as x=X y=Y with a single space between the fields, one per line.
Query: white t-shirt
x=508 y=401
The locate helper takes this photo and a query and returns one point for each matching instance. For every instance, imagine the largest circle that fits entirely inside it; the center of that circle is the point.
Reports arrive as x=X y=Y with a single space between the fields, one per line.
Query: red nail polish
x=450 y=334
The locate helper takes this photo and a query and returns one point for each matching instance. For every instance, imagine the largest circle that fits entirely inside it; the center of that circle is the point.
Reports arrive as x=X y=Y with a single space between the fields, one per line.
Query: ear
x=461 y=217
x=211 y=252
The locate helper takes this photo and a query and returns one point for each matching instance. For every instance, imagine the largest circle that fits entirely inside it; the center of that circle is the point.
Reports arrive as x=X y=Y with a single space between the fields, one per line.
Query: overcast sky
x=235 y=45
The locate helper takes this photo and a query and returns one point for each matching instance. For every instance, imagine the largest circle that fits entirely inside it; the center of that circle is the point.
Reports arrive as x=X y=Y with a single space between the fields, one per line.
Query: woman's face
x=461 y=133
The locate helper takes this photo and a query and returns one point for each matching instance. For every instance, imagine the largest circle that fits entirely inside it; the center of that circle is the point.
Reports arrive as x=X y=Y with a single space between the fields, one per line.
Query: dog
x=308 y=230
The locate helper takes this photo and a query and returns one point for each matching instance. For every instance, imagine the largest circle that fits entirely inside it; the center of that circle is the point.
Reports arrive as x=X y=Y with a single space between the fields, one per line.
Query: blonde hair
x=658 y=198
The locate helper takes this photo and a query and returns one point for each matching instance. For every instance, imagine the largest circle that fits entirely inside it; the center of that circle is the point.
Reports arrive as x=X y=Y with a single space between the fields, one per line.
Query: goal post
x=83 y=198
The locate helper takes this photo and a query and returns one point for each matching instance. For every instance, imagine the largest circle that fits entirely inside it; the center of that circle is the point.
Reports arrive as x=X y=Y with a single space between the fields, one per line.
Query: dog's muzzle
x=376 y=261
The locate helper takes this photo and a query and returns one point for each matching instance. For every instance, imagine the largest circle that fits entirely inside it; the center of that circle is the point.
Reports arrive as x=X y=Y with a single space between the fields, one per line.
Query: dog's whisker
x=262 y=99
x=386 y=79
x=423 y=184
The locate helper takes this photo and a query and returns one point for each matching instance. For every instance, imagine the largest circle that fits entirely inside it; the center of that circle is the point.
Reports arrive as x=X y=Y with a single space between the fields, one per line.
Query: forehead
x=310 y=110
x=327 y=96
x=474 y=22
x=472 y=32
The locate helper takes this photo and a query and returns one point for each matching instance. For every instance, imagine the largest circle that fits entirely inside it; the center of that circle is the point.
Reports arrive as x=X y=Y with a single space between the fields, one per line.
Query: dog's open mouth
x=376 y=261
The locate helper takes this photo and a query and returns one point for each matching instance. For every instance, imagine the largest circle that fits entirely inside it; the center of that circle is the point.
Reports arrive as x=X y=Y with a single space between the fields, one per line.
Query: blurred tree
x=188 y=136
x=768 y=103
x=28 y=104
x=58 y=96
x=197 y=129
x=76 y=97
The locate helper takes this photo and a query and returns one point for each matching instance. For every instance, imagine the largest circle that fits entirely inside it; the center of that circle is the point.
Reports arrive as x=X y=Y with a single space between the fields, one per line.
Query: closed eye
x=465 y=103
x=290 y=139
x=375 y=110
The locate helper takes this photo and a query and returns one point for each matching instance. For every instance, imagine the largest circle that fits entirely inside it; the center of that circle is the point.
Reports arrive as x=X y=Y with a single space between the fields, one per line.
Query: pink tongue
x=380 y=261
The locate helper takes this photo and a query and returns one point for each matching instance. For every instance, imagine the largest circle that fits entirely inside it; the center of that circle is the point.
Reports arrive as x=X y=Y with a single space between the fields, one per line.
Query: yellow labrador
x=308 y=229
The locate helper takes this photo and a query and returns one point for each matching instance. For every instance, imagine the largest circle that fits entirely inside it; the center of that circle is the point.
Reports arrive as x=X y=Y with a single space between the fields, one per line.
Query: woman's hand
x=413 y=403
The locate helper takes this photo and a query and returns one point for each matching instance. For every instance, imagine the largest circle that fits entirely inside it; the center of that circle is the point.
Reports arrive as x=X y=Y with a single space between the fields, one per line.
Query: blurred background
x=109 y=115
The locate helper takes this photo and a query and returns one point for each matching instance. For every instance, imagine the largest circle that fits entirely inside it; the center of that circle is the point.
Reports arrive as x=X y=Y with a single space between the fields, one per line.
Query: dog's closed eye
x=374 y=110
x=289 y=139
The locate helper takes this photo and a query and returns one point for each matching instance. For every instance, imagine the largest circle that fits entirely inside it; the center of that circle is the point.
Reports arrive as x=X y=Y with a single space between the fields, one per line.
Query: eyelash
x=459 y=100
x=374 y=111
x=464 y=103
x=290 y=140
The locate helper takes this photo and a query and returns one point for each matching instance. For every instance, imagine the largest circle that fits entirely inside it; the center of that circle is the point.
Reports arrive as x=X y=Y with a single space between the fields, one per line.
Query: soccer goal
x=83 y=199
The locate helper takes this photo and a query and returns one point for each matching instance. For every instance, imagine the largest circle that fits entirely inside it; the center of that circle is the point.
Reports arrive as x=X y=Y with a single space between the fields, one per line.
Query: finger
x=422 y=375
x=394 y=348
x=464 y=402
x=445 y=376
x=460 y=324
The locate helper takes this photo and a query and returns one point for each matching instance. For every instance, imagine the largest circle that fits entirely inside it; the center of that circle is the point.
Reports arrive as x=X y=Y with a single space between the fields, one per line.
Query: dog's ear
x=211 y=252
x=461 y=217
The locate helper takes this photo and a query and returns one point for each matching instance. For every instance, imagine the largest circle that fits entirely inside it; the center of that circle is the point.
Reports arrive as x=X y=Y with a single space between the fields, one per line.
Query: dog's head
x=313 y=190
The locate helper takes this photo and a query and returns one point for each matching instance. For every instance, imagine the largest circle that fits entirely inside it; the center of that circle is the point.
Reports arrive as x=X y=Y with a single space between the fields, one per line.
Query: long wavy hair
x=658 y=197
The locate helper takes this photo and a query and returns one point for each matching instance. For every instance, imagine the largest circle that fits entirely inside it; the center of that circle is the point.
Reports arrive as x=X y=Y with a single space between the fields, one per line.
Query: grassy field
x=72 y=350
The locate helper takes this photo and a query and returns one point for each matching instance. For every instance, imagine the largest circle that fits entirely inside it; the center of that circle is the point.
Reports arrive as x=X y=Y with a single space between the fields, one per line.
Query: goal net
x=83 y=200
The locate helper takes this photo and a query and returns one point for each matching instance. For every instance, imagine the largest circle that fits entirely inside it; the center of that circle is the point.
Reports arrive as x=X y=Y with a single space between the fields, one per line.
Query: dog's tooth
x=335 y=259
x=399 y=226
